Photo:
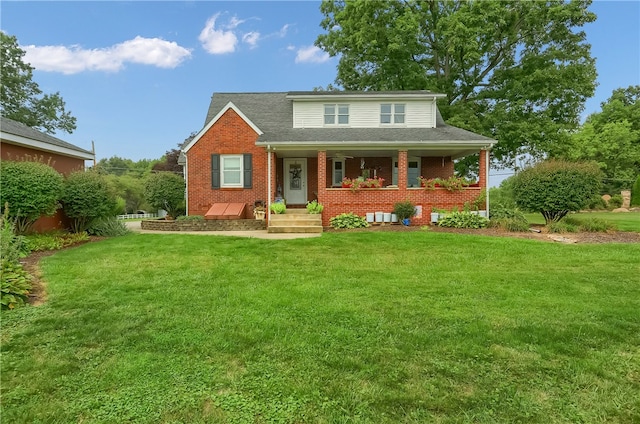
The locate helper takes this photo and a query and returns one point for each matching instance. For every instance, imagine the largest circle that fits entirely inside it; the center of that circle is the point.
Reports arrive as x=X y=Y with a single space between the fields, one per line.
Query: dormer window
x=392 y=113
x=336 y=114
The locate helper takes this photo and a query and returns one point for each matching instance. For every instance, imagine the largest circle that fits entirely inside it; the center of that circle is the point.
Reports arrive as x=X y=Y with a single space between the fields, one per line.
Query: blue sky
x=138 y=76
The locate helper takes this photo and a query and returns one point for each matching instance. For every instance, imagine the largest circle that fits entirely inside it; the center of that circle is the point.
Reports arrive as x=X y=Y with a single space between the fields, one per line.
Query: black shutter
x=215 y=171
x=248 y=170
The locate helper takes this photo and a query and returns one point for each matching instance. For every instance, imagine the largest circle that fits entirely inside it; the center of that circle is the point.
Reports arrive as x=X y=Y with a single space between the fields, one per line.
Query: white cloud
x=283 y=31
x=251 y=38
x=219 y=41
x=311 y=54
x=74 y=59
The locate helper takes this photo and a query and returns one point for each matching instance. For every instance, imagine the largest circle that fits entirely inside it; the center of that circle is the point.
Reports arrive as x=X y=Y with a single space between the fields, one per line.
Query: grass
x=624 y=221
x=347 y=328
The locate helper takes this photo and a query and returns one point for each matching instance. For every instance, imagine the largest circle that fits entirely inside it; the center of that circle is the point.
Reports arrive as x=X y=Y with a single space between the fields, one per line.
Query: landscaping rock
x=620 y=210
x=562 y=239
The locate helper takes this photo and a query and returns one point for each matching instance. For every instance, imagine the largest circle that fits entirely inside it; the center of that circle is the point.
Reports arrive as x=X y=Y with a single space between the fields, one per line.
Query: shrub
x=597 y=202
x=615 y=201
x=562 y=227
x=86 y=197
x=635 y=193
x=314 y=207
x=190 y=218
x=510 y=219
x=54 y=240
x=554 y=188
x=12 y=246
x=348 y=220
x=404 y=210
x=597 y=225
x=15 y=284
x=463 y=220
x=165 y=190
x=278 y=208
x=31 y=189
x=108 y=227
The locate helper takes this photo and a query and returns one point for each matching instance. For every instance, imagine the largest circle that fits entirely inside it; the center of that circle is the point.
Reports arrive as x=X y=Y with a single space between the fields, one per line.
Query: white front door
x=295 y=181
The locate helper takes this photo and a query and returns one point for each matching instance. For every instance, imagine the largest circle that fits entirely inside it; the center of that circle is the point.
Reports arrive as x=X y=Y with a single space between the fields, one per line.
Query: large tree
x=612 y=139
x=21 y=98
x=516 y=71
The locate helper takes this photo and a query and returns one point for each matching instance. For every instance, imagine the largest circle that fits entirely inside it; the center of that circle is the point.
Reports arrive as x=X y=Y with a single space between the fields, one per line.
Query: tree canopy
x=21 y=98
x=516 y=71
x=612 y=139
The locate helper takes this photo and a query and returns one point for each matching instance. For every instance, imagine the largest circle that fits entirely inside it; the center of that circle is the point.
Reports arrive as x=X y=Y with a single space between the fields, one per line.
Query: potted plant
x=347 y=182
x=371 y=183
x=404 y=211
x=314 y=207
x=278 y=208
x=259 y=212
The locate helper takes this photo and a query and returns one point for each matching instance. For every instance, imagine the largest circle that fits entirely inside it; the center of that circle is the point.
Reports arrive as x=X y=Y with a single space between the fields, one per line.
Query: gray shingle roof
x=273 y=114
x=10 y=126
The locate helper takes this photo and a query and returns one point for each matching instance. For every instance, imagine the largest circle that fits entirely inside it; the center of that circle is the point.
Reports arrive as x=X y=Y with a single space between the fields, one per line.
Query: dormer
x=395 y=109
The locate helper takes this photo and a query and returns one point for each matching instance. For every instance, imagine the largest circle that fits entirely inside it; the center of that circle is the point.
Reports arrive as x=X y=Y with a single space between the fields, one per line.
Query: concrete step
x=296 y=229
x=295 y=221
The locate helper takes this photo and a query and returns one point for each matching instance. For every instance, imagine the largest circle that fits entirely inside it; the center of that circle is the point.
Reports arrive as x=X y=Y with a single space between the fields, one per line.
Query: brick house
x=19 y=142
x=300 y=146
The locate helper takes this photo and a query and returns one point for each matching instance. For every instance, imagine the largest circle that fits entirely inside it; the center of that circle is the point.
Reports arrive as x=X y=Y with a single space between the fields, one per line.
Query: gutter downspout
x=186 y=184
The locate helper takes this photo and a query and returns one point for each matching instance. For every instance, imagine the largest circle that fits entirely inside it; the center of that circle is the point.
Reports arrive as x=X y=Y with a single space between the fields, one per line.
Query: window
x=413 y=171
x=336 y=114
x=338 y=172
x=392 y=113
x=231 y=171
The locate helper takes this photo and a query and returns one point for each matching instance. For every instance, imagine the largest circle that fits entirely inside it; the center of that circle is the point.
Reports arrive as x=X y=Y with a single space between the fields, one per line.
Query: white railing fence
x=137 y=215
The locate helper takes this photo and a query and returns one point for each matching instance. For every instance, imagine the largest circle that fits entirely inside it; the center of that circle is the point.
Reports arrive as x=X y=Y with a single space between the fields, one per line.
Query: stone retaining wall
x=206 y=225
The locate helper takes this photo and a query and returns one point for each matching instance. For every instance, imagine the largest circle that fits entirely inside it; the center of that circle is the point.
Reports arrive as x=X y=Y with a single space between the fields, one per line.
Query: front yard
x=350 y=327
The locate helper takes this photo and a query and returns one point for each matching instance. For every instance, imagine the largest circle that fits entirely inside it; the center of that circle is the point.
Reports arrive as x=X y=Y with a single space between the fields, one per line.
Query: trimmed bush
x=165 y=190
x=463 y=220
x=32 y=189
x=554 y=188
x=87 y=197
x=635 y=193
x=348 y=220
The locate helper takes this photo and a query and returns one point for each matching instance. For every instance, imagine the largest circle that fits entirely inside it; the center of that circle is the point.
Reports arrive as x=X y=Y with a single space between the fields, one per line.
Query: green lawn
x=624 y=221
x=364 y=327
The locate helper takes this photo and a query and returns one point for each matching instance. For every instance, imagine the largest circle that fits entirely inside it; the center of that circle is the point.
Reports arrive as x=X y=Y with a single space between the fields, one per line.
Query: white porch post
x=487 y=166
x=268 y=179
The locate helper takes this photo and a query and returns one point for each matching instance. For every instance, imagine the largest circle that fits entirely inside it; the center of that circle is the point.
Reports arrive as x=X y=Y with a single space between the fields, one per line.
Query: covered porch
x=301 y=175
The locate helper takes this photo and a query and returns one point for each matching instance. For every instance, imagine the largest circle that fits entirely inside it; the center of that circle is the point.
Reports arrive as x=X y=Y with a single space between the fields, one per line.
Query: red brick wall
x=229 y=135
x=436 y=167
x=63 y=164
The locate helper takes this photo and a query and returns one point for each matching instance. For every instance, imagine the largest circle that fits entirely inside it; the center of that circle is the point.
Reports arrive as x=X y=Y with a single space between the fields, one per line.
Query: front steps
x=295 y=221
